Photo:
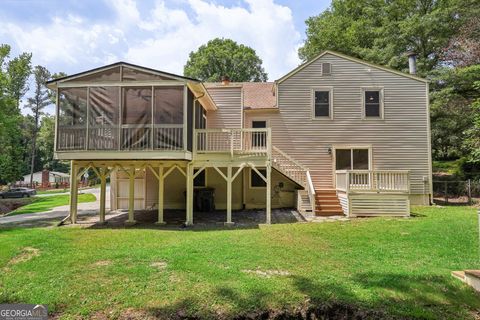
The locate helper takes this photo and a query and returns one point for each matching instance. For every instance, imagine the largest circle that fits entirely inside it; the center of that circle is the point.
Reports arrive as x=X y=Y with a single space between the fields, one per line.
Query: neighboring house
x=335 y=136
x=46 y=177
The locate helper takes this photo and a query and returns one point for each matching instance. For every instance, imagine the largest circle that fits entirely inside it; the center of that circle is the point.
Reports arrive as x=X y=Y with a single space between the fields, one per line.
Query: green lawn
x=377 y=267
x=42 y=204
x=53 y=191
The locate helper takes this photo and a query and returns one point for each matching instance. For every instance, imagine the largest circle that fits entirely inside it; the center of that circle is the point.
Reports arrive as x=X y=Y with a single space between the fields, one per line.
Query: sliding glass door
x=352 y=159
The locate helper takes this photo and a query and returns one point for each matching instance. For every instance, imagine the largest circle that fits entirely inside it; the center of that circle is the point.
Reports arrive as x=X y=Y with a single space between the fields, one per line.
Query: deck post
x=73 y=192
x=131 y=195
x=103 y=187
x=269 y=193
x=189 y=195
x=160 y=195
x=229 y=195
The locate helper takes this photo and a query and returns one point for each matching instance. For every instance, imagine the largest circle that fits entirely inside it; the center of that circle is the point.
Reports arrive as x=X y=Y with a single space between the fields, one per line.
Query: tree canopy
x=382 y=31
x=225 y=57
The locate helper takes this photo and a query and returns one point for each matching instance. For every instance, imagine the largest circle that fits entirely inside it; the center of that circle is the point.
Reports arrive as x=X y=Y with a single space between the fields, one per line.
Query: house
x=46 y=178
x=336 y=135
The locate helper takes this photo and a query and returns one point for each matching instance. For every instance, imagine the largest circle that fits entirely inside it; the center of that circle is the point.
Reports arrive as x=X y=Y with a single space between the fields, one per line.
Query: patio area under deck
x=373 y=192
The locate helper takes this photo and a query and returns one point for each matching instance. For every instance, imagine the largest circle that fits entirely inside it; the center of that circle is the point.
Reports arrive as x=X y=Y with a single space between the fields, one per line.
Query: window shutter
x=326 y=69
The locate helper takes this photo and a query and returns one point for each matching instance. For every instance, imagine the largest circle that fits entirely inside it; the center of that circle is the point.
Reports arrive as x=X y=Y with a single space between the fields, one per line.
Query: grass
x=42 y=204
x=446 y=167
x=53 y=191
x=385 y=267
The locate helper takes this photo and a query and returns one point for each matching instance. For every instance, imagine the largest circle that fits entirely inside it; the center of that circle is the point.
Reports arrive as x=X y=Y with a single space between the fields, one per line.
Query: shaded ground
x=7 y=205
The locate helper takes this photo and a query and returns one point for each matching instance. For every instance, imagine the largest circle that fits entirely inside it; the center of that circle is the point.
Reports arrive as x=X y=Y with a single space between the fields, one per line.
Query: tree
x=224 y=57
x=37 y=103
x=13 y=83
x=464 y=49
x=382 y=31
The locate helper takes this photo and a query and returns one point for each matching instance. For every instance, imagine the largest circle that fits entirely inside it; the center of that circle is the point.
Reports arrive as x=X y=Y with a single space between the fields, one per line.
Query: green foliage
x=382 y=31
x=224 y=57
x=393 y=265
x=454 y=98
x=13 y=83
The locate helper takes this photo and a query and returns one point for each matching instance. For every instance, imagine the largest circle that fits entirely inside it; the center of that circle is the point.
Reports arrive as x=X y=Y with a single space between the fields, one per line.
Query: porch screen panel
x=168 y=118
x=112 y=74
x=72 y=122
x=104 y=111
x=136 y=118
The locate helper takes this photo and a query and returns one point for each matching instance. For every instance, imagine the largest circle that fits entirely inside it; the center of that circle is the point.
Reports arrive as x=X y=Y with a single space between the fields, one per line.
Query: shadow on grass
x=392 y=296
x=203 y=221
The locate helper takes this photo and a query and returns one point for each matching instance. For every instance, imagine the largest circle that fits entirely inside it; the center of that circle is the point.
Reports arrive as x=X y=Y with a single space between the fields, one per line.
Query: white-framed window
x=372 y=103
x=256 y=182
x=200 y=180
x=322 y=103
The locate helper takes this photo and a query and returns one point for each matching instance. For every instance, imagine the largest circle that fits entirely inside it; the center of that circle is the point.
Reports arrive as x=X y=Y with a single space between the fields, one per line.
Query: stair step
x=332 y=199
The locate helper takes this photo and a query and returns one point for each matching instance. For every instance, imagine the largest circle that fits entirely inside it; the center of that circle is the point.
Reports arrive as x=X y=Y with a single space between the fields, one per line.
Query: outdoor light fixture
x=329 y=150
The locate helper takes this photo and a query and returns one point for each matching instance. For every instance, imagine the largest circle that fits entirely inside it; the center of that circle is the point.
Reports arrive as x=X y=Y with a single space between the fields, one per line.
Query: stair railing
x=289 y=167
x=310 y=190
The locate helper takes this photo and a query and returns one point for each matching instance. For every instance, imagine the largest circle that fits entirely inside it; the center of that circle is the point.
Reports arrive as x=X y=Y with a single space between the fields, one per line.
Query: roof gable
x=343 y=56
x=130 y=72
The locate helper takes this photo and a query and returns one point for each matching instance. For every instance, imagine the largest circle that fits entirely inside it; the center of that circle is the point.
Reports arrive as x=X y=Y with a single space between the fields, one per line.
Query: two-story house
x=337 y=135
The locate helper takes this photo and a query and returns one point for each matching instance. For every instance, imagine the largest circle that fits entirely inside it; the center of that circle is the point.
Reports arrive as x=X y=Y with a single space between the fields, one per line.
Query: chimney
x=412 y=62
x=225 y=80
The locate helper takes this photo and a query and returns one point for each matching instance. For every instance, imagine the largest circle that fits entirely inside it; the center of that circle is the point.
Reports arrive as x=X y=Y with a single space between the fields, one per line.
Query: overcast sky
x=73 y=36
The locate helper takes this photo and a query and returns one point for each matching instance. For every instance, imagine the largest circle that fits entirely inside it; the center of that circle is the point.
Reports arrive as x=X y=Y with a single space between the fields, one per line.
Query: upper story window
x=372 y=103
x=322 y=103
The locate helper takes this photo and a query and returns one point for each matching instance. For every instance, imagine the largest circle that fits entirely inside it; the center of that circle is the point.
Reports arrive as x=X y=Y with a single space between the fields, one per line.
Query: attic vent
x=326 y=69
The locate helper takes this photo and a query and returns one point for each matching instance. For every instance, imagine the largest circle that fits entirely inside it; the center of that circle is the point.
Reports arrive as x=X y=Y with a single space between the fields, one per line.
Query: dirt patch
x=160 y=265
x=267 y=273
x=102 y=263
x=128 y=314
x=8 y=205
x=26 y=254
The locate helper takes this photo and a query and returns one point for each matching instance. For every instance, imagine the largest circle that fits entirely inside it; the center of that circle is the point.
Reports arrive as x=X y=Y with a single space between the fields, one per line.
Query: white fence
x=373 y=180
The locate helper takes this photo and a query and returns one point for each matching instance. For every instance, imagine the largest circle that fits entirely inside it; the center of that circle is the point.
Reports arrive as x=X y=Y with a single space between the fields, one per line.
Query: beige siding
x=399 y=141
x=229 y=104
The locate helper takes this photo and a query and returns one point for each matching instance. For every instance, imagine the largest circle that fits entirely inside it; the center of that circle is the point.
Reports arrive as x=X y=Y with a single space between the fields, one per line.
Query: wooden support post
x=160 y=195
x=189 y=195
x=229 y=195
x=103 y=188
x=73 y=192
x=131 y=196
x=269 y=193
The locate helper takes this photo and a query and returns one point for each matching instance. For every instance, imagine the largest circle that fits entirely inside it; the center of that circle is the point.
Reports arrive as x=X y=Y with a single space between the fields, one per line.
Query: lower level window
x=255 y=180
x=352 y=159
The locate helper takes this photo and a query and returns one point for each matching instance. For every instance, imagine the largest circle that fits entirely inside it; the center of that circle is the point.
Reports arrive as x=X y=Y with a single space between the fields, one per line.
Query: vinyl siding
x=399 y=141
x=229 y=104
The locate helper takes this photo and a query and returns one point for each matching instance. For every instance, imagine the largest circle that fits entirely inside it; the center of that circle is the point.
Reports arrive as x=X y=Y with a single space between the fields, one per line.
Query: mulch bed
x=8 y=205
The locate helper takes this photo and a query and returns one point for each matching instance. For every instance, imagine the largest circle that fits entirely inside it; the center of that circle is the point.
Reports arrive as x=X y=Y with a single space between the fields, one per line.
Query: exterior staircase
x=327 y=203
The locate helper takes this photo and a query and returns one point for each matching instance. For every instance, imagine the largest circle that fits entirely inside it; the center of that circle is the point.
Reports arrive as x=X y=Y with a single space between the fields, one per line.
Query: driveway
x=57 y=213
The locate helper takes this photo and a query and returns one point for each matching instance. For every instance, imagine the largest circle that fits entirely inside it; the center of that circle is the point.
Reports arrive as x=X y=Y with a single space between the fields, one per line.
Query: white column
x=131 y=196
x=160 y=195
x=229 y=195
x=189 y=197
x=269 y=193
x=103 y=187
x=73 y=192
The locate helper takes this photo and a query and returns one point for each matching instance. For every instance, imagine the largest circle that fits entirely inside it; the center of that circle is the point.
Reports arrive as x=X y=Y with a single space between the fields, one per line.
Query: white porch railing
x=373 y=181
x=233 y=141
x=168 y=137
x=289 y=167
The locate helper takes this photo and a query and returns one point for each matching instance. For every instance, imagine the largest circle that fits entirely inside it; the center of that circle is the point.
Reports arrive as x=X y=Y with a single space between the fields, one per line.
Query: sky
x=78 y=35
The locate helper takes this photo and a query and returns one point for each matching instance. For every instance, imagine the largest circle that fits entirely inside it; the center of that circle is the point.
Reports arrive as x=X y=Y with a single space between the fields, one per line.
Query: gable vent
x=326 y=69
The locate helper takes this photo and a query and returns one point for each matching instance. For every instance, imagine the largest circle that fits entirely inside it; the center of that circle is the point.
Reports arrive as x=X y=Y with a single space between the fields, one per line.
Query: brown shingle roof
x=259 y=95
x=256 y=95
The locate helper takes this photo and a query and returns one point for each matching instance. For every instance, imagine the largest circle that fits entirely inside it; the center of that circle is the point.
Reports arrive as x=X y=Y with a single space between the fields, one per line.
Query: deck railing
x=233 y=141
x=373 y=181
x=126 y=137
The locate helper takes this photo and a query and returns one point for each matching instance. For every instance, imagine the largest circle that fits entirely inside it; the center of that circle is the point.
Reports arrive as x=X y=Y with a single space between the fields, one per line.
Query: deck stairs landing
x=326 y=200
x=327 y=203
